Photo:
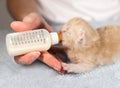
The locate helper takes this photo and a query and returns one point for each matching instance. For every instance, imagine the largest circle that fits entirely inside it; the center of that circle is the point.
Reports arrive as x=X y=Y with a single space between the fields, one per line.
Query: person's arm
x=28 y=18
x=21 y=8
x=27 y=11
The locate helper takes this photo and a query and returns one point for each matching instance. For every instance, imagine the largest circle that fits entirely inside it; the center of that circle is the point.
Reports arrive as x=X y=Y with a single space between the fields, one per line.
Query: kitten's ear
x=92 y=38
x=86 y=39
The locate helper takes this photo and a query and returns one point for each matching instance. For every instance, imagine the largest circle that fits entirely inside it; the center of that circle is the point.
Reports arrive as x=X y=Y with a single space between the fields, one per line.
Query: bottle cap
x=54 y=38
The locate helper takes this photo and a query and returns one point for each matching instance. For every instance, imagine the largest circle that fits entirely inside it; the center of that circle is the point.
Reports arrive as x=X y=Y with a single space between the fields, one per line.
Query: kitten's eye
x=67 y=28
x=63 y=31
x=68 y=32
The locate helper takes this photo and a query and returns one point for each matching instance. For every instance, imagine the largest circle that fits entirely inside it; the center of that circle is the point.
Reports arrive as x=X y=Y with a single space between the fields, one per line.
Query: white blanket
x=39 y=75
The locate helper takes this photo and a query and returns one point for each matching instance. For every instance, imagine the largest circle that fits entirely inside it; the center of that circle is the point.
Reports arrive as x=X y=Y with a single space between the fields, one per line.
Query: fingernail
x=30 y=18
x=27 y=19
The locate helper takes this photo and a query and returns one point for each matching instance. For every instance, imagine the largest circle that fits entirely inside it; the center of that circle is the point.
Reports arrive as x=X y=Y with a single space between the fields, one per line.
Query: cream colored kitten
x=88 y=48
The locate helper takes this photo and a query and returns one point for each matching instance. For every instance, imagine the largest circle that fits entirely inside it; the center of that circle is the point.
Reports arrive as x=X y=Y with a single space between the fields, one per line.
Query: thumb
x=37 y=21
x=31 y=21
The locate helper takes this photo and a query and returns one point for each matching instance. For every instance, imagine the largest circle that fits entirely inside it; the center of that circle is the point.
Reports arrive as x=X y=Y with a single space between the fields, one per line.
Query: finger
x=31 y=21
x=19 y=26
x=34 y=19
x=37 y=21
x=51 y=61
x=27 y=58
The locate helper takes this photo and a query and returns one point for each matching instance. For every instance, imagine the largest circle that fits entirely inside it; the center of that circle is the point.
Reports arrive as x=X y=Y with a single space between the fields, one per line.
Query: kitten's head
x=78 y=33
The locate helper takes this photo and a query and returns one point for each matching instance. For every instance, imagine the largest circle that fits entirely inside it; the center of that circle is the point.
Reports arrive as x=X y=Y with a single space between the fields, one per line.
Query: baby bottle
x=35 y=40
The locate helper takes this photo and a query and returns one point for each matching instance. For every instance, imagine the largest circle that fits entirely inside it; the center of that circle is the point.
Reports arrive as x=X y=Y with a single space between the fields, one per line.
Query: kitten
x=88 y=48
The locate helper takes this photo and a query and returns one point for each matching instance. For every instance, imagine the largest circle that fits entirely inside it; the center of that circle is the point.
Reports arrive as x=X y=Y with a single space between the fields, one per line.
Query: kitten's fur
x=88 y=48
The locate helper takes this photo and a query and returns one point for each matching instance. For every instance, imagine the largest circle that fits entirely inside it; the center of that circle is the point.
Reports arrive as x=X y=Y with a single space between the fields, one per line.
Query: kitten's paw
x=70 y=68
x=66 y=67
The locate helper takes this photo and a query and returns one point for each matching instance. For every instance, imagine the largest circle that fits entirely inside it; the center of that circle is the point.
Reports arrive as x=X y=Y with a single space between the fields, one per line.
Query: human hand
x=29 y=22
